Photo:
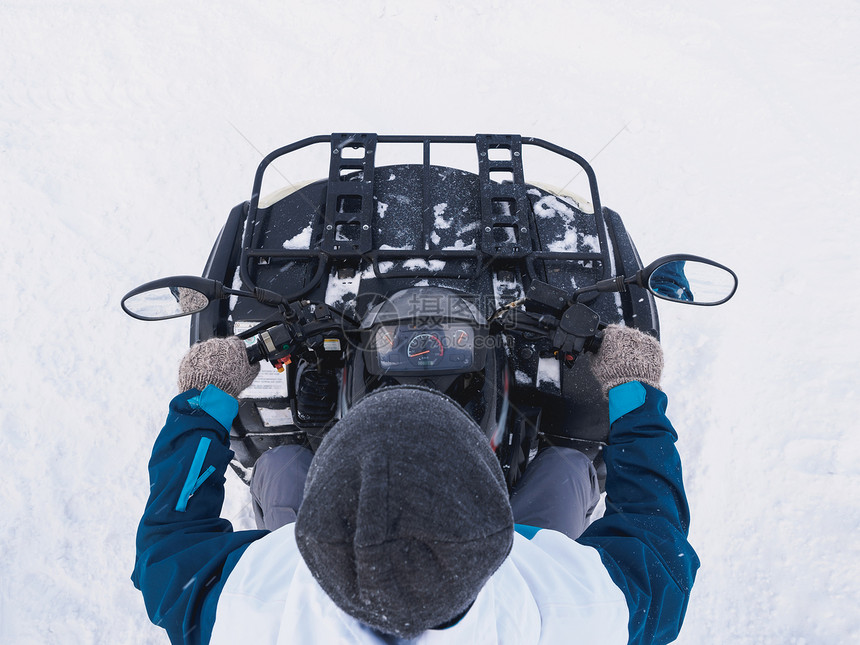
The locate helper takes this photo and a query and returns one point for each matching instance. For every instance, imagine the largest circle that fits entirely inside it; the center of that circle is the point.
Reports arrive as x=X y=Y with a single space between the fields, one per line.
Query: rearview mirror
x=689 y=279
x=171 y=297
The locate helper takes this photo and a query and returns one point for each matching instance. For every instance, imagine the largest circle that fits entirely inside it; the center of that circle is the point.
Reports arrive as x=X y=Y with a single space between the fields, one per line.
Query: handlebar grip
x=593 y=344
x=256 y=352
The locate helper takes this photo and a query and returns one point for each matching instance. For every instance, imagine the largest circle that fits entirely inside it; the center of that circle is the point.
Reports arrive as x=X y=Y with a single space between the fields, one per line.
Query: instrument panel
x=408 y=347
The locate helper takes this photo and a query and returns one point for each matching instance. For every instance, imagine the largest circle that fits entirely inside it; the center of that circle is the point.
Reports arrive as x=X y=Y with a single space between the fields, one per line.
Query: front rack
x=508 y=234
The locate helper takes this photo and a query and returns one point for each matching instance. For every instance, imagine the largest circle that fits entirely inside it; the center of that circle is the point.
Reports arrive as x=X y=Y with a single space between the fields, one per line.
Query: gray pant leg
x=558 y=491
x=278 y=485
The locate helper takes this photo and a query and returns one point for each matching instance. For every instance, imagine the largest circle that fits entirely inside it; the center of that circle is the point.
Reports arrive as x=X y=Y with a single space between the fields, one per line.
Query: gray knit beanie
x=406 y=514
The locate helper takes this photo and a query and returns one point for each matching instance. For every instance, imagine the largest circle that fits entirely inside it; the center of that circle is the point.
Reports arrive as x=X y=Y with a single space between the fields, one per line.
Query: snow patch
x=507 y=291
x=302 y=240
x=790 y=540
x=417 y=264
x=237 y=285
x=471 y=226
x=438 y=220
x=340 y=289
x=574 y=242
x=460 y=245
x=522 y=378
x=549 y=373
x=552 y=206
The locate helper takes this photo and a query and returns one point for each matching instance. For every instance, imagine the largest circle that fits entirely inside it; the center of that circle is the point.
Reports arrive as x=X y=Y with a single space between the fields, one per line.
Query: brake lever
x=578 y=331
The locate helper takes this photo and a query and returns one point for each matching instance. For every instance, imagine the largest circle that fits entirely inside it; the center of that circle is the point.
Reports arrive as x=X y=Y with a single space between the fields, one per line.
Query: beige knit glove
x=221 y=362
x=627 y=354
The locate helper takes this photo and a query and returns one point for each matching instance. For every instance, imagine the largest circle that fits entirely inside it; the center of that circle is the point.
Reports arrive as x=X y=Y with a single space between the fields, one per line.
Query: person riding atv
x=365 y=543
x=459 y=365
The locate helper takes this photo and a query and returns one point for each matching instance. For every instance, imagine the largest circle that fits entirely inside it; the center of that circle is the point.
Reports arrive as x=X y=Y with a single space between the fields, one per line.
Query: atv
x=471 y=281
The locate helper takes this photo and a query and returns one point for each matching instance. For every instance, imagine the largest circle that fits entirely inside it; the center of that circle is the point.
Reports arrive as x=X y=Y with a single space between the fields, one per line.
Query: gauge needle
x=426 y=351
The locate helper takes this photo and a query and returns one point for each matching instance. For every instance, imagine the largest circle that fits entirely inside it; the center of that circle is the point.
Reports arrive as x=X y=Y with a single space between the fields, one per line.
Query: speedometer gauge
x=425 y=350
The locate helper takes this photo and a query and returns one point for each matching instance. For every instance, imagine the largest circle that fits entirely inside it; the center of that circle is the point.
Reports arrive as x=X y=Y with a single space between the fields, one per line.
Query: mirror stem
x=610 y=285
x=270 y=298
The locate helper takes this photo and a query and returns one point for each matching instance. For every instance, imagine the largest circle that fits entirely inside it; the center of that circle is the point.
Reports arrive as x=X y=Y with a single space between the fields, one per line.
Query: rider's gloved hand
x=627 y=354
x=221 y=362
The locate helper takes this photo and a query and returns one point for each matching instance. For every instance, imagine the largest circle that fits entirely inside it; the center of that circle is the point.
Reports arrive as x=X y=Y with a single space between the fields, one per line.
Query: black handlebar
x=256 y=353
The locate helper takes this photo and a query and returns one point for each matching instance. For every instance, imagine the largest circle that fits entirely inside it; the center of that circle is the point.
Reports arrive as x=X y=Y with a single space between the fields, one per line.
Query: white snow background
x=727 y=129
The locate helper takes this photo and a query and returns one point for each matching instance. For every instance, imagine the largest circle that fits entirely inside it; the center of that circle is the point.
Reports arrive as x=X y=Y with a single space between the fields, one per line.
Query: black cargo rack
x=508 y=231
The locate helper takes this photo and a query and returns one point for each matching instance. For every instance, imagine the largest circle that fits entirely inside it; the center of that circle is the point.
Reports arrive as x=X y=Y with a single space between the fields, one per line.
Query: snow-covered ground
x=128 y=130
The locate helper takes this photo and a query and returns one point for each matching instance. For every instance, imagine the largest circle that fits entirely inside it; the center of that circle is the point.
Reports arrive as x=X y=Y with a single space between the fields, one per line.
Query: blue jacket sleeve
x=642 y=537
x=185 y=551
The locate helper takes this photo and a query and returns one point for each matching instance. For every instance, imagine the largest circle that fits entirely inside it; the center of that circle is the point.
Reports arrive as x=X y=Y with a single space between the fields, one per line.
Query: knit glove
x=627 y=354
x=221 y=362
